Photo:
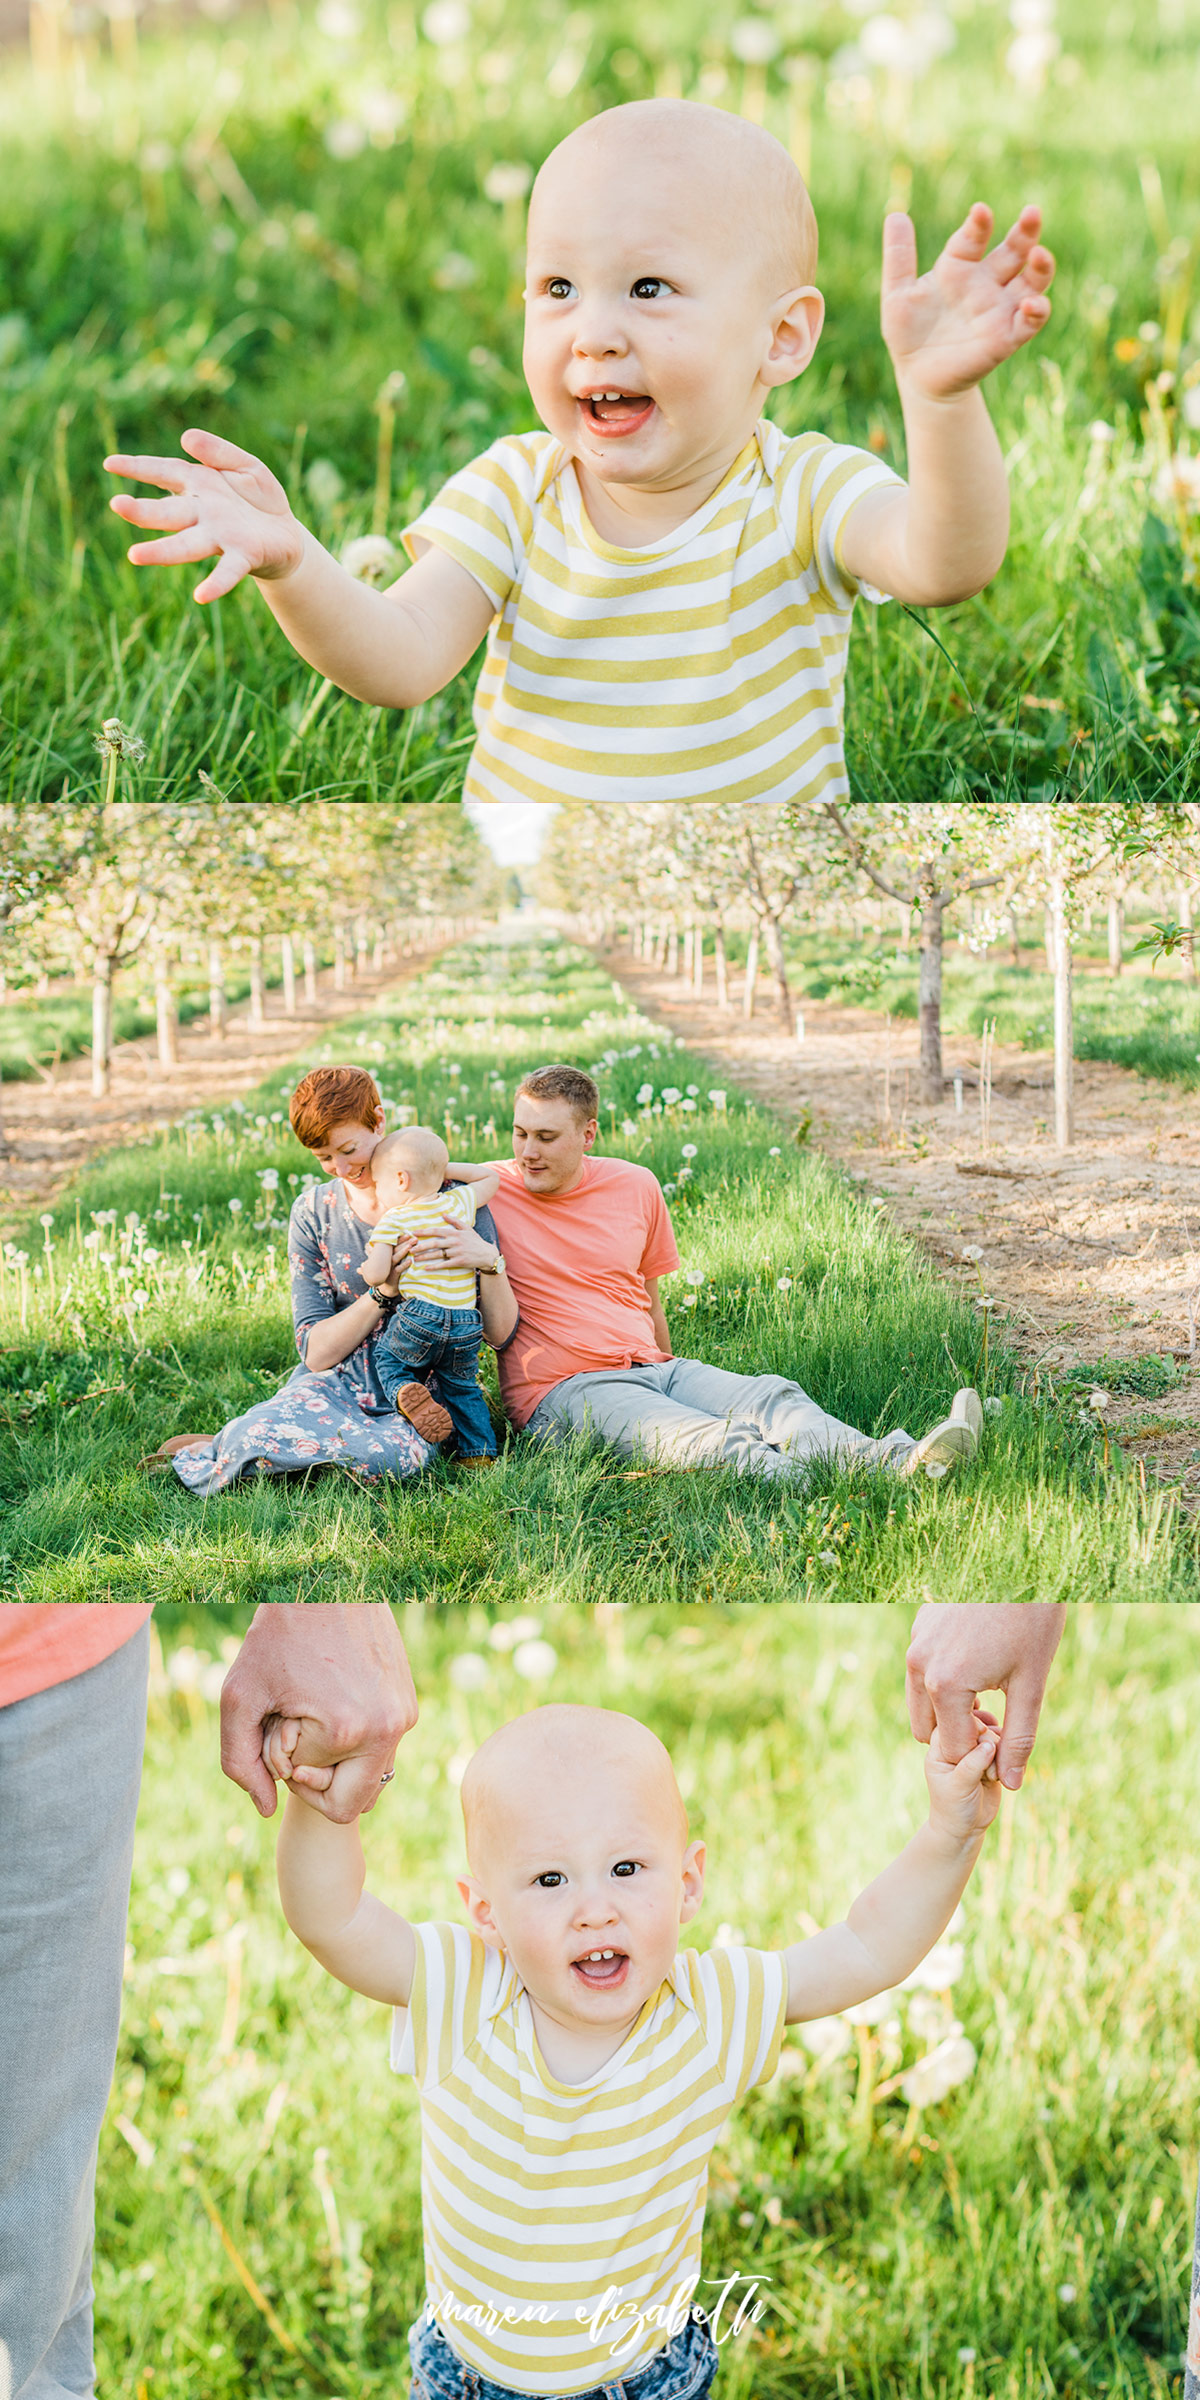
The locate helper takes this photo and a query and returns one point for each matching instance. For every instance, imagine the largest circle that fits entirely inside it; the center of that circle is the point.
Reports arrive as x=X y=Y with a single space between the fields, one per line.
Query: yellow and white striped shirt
x=449 y=1287
x=707 y=665
x=538 y=2196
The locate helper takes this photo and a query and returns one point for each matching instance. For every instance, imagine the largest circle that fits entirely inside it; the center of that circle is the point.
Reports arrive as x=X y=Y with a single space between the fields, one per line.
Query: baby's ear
x=795 y=332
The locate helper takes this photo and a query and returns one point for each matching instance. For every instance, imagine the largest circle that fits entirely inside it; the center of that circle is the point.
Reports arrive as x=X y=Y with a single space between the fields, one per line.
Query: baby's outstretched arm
x=354 y=1936
x=393 y=648
x=943 y=536
x=896 y=1921
x=484 y=1181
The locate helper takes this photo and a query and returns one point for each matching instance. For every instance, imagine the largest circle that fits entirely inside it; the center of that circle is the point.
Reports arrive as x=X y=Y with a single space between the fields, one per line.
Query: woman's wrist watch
x=497 y=1265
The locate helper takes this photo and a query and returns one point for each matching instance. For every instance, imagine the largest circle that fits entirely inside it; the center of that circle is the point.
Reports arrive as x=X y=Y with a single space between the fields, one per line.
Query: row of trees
x=91 y=889
x=674 y=880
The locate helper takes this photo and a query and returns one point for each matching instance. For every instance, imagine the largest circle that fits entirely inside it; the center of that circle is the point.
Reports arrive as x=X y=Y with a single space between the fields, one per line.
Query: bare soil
x=1092 y=1253
x=54 y=1126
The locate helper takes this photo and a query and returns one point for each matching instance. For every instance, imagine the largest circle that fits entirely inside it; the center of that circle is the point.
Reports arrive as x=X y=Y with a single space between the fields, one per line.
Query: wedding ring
x=389 y=1777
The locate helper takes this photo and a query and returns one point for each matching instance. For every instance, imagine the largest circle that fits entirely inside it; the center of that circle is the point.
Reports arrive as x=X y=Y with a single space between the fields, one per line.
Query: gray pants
x=685 y=1413
x=70 y=1766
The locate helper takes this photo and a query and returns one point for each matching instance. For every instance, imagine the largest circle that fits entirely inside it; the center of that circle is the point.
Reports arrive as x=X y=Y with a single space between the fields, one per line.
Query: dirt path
x=1092 y=1253
x=54 y=1126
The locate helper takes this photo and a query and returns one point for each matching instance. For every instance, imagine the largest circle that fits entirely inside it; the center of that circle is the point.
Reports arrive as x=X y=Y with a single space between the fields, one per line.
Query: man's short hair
x=563 y=1083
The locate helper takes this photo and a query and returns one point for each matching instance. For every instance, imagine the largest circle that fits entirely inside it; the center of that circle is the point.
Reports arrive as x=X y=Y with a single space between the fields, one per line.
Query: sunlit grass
x=156 y=1302
x=1039 y=2217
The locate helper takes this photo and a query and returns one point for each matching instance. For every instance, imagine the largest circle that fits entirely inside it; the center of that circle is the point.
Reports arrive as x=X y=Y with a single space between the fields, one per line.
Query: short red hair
x=332 y=1096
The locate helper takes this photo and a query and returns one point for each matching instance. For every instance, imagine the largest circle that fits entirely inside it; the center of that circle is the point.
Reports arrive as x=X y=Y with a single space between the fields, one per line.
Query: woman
x=332 y=1411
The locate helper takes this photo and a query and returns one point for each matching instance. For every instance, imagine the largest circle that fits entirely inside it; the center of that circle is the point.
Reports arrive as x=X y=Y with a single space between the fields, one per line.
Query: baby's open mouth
x=617 y=412
x=603 y=1969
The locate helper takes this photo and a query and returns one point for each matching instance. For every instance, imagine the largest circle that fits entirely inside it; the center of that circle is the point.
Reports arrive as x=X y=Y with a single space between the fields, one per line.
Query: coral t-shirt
x=40 y=1646
x=577 y=1262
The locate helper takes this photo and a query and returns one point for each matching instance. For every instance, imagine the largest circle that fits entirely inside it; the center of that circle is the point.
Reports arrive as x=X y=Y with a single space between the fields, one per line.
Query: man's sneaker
x=956 y=1437
x=433 y=1422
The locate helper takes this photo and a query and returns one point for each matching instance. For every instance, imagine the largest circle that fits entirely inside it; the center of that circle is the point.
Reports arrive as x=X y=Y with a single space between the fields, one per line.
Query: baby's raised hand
x=283 y=1757
x=962 y=1799
x=946 y=330
x=222 y=502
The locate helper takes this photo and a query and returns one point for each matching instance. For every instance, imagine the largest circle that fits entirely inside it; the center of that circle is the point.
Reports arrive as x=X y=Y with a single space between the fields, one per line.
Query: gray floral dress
x=339 y=1417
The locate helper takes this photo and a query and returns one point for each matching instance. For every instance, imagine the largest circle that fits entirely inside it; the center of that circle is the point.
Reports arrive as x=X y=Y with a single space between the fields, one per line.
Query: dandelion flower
x=718 y=1101
x=972 y=1256
x=670 y=1095
x=985 y=1304
x=371 y=558
x=774 y=1153
x=468 y=1673
x=784 y=1283
x=827 y=1558
x=535 y=1661
x=953 y=2062
x=645 y=1095
x=1066 y=2293
x=47 y=1220
x=235 y=1208
x=690 y=1150
x=1100 y=1401
x=114 y=740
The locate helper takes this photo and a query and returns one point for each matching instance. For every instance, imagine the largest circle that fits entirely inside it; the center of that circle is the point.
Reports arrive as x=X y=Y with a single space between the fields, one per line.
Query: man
x=585 y=1242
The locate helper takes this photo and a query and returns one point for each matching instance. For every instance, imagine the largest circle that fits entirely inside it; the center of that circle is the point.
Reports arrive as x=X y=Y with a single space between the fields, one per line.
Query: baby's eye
x=558 y=288
x=550 y=1880
x=649 y=287
x=626 y=1866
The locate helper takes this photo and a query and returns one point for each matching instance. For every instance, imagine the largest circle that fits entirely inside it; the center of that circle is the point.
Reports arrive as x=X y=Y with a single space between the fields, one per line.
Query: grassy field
x=257 y=224
x=156 y=1302
x=1027 y=2235
x=1147 y=1019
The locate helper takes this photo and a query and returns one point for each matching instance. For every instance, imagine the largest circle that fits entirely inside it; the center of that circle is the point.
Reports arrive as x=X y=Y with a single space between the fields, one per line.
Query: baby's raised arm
x=353 y=1935
x=484 y=1181
x=393 y=648
x=894 y=1924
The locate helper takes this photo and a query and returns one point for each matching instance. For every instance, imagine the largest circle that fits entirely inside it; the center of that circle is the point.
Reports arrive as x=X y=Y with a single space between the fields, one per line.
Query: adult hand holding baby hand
x=961 y=1648
x=962 y=1801
x=222 y=501
x=946 y=330
x=321 y=1683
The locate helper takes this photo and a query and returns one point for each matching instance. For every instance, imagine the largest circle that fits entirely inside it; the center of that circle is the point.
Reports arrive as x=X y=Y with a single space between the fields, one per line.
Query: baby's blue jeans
x=683 y=2371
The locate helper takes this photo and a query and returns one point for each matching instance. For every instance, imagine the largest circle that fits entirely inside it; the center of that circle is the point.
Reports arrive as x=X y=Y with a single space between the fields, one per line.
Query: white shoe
x=956 y=1437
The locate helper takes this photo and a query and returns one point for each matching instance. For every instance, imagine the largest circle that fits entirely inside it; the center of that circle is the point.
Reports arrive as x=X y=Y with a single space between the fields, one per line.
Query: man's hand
x=341 y=1674
x=946 y=330
x=228 y=503
x=961 y=1648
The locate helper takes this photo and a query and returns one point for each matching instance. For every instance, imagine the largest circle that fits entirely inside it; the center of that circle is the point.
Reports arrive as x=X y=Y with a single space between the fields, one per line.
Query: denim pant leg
x=70 y=1765
x=403 y=1353
x=459 y=1391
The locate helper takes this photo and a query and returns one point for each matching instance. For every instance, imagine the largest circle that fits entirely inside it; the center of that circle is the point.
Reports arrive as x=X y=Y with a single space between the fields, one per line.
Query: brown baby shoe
x=433 y=1422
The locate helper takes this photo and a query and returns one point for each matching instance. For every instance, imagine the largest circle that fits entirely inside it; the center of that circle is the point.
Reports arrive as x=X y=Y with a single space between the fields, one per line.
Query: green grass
x=1039 y=2217
x=799 y=1277
x=264 y=284
x=42 y=1032
x=1146 y=1019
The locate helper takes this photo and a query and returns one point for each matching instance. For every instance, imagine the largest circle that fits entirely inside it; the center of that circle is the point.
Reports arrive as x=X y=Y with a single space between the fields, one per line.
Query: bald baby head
x=566 y=1764
x=414 y=1151
x=727 y=177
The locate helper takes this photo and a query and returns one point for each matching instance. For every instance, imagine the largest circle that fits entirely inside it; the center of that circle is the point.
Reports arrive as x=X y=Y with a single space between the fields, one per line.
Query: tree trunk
x=216 y=993
x=904 y=928
x=719 y=962
x=101 y=1027
x=1116 y=935
x=685 y=953
x=751 y=975
x=929 y=998
x=698 y=962
x=673 y=948
x=360 y=947
x=165 y=1010
x=1064 y=1032
x=1048 y=938
x=310 y=975
x=339 y=958
x=257 y=1016
x=773 y=937
x=1014 y=938
x=287 y=957
x=377 y=955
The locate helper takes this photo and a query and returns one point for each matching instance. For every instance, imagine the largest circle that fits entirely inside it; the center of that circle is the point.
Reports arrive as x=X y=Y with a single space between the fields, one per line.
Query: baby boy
x=436 y=1323
x=574 y=2066
x=665 y=582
